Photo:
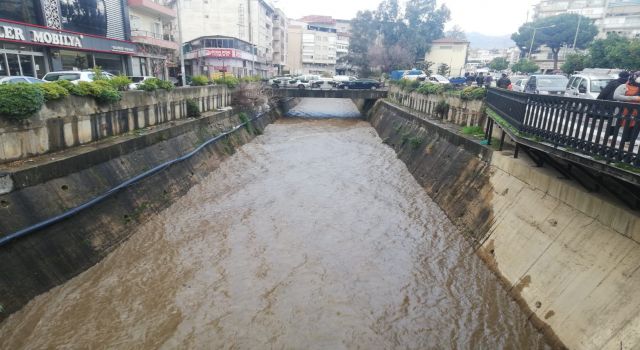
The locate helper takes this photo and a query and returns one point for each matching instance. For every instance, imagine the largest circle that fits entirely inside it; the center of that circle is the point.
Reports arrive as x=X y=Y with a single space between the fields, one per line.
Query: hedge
x=20 y=101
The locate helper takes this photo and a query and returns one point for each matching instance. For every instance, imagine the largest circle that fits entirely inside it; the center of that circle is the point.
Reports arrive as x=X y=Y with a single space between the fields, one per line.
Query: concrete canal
x=313 y=236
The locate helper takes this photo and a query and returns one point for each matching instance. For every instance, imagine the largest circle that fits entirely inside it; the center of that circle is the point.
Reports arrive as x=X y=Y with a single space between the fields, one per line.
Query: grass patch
x=474 y=131
x=416 y=142
x=628 y=167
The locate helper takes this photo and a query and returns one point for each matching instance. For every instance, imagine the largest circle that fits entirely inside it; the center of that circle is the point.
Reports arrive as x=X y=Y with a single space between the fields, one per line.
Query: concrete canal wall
x=75 y=121
x=35 y=263
x=570 y=257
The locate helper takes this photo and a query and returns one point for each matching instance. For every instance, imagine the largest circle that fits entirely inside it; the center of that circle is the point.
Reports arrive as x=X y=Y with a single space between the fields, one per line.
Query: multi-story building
x=154 y=30
x=343 y=28
x=245 y=24
x=449 y=51
x=38 y=36
x=280 y=40
x=312 y=45
x=610 y=16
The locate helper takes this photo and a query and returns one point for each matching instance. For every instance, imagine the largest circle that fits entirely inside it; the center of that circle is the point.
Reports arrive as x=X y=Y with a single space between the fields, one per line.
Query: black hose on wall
x=71 y=212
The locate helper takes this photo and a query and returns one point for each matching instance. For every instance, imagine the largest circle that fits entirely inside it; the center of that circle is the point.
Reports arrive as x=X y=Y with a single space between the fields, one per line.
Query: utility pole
x=575 y=39
x=180 y=47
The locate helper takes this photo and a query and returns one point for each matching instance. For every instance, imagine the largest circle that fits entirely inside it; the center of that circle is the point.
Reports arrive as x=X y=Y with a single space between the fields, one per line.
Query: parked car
x=311 y=78
x=458 y=80
x=438 y=79
x=546 y=84
x=298 y=83
x=324 y=84
x=519 y=84
x=397 y=74
x=371 y=84
x=73 y=76
x=15 y=79
x=415 y=74
x=342 y=78
x=137 y=80
x=279 y=82
x=587 y=85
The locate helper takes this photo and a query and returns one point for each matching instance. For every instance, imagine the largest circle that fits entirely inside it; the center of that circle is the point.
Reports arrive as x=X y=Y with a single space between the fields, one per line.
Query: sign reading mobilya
x=19 y=32
x=38 y=36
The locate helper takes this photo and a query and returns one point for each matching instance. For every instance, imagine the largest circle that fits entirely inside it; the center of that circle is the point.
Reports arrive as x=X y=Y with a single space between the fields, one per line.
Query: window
x=156 y=29
x=84 y=16
x=27 y=11
x=135 y=22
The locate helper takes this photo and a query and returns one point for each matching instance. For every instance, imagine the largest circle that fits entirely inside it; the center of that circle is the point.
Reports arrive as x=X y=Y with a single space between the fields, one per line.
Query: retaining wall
x=464 y=113
x=569 y=257
x=76 y=121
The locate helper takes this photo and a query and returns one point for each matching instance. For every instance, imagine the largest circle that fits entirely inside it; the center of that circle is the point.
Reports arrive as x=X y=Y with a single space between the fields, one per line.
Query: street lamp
x=533 y=37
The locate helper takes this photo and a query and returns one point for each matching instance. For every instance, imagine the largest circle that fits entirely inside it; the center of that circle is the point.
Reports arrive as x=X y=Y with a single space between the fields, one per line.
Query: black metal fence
x=601 y=129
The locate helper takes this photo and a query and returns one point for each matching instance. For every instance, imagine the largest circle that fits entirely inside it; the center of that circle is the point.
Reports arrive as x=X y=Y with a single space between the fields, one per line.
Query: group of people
x=480 y=79
x=626 y=88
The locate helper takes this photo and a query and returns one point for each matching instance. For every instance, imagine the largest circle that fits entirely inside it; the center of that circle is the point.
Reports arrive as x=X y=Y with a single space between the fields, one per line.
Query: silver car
x=587 y=86
x=546 y=84
x=15 y=79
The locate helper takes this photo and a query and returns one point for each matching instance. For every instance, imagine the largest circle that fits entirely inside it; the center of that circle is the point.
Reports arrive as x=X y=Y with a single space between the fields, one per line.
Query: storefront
x=32 y=50
x=212 y=55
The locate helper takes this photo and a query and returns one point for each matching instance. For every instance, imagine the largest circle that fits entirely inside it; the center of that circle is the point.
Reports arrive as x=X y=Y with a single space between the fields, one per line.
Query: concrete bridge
x=317 y=93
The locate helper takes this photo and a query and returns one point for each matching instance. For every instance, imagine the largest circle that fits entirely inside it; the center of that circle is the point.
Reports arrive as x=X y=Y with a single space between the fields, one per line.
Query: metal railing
x=605 y=130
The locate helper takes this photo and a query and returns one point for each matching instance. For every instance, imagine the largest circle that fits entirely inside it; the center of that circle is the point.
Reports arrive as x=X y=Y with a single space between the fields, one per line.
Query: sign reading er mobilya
x=43 y=36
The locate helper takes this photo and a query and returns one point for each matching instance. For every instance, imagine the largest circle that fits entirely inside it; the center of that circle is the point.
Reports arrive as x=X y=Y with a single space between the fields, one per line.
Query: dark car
x=458 y=80
x=361 y=84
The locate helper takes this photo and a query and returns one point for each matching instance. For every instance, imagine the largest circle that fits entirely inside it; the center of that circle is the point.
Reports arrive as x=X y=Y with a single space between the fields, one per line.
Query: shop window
x=109 y=63
x=84 y=16
x=27 y=11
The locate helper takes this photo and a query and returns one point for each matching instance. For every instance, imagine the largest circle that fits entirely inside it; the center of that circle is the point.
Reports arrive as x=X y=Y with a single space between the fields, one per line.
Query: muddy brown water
x=313 y=236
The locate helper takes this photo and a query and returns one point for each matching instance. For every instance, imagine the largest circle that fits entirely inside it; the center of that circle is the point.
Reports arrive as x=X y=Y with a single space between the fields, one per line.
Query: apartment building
x=280 y=40
x=610 y=16
x=343 y=28
x=155 y=33
x=449 y=51
x=234 y=36
x=313 y=45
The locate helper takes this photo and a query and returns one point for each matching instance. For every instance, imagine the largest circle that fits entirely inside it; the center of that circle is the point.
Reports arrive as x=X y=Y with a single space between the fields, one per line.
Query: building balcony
x=154 y=39
x=153 y=8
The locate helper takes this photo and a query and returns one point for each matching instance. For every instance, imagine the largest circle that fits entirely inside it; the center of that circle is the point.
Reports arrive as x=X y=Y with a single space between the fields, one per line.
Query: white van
x=587 y=85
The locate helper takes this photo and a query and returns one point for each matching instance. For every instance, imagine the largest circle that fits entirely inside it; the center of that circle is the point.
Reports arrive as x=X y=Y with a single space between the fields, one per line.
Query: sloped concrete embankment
x=35 y=263
x=569 y=257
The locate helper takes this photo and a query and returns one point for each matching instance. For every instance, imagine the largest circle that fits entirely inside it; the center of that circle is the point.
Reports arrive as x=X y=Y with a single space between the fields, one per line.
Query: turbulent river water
x=313 y=236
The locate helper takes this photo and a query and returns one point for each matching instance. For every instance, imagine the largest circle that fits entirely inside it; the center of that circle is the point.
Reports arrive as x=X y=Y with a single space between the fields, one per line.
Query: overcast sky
x=492 y=17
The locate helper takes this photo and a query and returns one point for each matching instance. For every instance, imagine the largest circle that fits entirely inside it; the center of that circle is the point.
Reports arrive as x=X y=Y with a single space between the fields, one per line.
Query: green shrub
x=442 y=108
x=149 y=85
x=83 y=88
x=164 y=85
x=53 y=91
x=120 y=82
x=20 y=101
x=230 y=81
x=199 y=80
x=66 y=84
x=104 y=92
x=473 y=130
x=98 y=75
x=473 y=93
x=431 y=89
x=193 y=110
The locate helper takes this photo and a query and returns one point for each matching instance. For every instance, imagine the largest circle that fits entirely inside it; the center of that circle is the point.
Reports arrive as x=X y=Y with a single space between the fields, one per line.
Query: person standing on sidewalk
x=607 y=92
x=504 y=82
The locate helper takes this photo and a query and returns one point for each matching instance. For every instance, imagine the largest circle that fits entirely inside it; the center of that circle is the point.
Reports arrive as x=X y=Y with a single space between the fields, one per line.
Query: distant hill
x=488 y=42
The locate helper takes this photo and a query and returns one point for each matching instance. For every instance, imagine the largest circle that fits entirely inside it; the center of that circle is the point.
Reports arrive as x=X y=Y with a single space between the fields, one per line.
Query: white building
x=154 y=30
x=610 y=16
x=313 y=45
x=449 y=51
x=245 y=28
x=280 y=40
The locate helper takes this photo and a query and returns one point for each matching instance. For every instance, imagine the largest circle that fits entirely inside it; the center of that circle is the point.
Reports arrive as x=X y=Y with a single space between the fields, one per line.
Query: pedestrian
x=470 y=79
x=504 y=82
x=488 y=80
x=629 y=92
x=607 y=92
x=480 y=79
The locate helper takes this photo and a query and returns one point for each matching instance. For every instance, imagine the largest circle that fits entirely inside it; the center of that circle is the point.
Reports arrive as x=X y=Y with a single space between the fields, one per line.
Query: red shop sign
x=222 y=53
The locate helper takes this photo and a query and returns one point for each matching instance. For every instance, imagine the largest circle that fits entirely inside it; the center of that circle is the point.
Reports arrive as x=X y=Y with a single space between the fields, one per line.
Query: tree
x=525 y=66
x=444 y=69
x=456 y=33
x=615 y=52
x=389 y=59
x=575 y=62
x=556 y=32
x=425 y=21
x=499 y=64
